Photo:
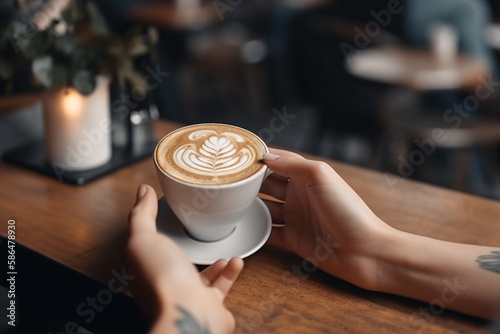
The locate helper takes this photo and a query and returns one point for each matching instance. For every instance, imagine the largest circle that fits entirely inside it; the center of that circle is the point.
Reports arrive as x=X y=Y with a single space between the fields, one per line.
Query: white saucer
x=247 y=238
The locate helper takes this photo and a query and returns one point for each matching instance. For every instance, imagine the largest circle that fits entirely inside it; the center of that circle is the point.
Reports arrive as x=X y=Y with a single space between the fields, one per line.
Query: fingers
x=222 y=274
x=209 y=274
x=279 y=152
x=276 y=210
x=275 y=185
x=295 y=167
x=142 y=218
x=280 y=161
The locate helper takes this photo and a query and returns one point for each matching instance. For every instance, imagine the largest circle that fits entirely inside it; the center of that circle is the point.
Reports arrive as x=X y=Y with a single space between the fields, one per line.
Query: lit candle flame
x=72 y=103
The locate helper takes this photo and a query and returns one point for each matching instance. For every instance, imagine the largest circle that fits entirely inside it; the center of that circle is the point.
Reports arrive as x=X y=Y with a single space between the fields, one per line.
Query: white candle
x=78 y=127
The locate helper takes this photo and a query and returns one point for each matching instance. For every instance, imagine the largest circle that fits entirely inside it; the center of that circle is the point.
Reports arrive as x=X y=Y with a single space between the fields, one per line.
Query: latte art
x=217 y=155
x=211 y=154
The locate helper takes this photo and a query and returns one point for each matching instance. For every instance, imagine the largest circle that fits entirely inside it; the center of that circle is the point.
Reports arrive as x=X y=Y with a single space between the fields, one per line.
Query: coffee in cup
x=210 y=154
x=210 y=174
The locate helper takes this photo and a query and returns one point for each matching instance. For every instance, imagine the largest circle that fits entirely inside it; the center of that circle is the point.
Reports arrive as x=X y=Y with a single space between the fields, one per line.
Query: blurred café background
x=410 y=88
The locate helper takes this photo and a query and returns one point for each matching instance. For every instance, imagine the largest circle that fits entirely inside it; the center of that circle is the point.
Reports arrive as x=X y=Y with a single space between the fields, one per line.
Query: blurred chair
x=349 y=106
x=414 y=132
x=222 y=74
x=414 y=129
x=225 y=63
x=416 y=88
x=355 y=96
x=198 y=50
x=472 y=135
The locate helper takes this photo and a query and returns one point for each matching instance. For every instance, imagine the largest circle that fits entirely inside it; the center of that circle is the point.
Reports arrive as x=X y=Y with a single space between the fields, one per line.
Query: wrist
x=392 y=260
x=369 y=263
x=182 y=311
x=403 y=263
x=177 y=313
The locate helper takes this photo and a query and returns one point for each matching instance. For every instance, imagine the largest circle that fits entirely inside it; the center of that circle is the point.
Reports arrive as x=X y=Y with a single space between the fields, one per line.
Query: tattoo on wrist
x=490 y=261
x=187 y=324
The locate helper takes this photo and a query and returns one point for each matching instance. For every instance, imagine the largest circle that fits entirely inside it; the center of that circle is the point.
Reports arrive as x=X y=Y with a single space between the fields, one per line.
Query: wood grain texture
x=85 y=228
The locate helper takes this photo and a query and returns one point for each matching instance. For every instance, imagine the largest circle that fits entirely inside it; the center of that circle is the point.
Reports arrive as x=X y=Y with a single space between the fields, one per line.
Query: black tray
x=32 y=156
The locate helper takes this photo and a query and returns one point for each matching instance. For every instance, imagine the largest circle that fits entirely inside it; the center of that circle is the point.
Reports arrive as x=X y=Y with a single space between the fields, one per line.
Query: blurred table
x=179 y=16
x=411 y=73
x=85 y=228
x=175 y=16
x=415 y=69
x=14 y=102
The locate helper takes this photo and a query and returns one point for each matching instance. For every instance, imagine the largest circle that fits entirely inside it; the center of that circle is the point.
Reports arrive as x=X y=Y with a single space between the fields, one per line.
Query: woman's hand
x=325 y=221
x=167 y=286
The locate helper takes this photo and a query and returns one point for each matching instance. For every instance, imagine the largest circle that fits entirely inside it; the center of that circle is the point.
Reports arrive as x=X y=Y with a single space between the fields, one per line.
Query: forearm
x=189 y=310
x=177 y=320
x=446 y=275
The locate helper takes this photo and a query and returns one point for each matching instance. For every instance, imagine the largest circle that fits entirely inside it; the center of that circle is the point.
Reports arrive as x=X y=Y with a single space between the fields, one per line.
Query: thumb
x=227 y=276
x=142 y=218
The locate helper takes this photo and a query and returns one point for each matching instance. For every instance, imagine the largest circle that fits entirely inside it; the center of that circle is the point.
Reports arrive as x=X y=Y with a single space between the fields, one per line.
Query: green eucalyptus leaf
x=78 y=59
x=49 y=72
x=36 y=45
x=59 y=59
x=59 y=75
x=20 y=34
x=23 y=27
x=84 y=81
x=68 y=17
x=97 y=19
x=65 y=43
x=26 y=39
x=42 y=68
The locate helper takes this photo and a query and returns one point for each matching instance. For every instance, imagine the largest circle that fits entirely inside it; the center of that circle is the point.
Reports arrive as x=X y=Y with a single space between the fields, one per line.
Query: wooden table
x=85 y=228
x=415 y=69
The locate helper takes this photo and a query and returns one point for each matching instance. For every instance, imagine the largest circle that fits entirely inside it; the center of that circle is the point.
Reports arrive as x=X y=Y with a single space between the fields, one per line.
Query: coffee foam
x=210 y=154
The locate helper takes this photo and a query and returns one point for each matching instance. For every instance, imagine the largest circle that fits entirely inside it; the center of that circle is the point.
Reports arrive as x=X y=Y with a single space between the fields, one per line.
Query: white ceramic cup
x=210 y=212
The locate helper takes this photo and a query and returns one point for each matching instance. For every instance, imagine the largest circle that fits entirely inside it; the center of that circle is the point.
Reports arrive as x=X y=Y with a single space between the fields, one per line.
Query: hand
x=167 y=286
x=324 y=220
x=327 y=223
